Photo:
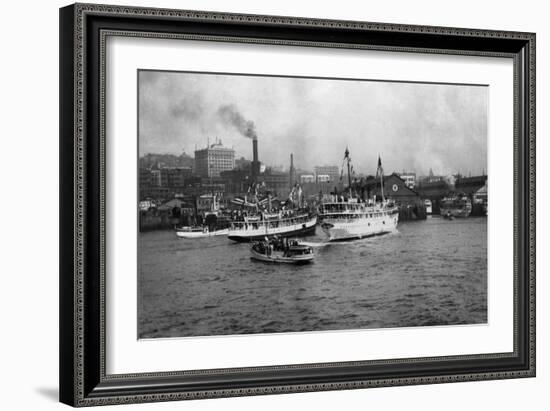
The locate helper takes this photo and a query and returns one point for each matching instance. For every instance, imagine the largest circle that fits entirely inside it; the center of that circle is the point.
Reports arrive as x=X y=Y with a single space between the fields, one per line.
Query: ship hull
x=455 y=212
x=277 y=258
x=200 y=234
x=256 y=234
x=341 y=230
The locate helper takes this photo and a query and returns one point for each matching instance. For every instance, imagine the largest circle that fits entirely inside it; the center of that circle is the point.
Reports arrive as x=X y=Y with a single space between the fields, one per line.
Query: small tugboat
x=199 y=232
x=282 y=251
x=455 y=205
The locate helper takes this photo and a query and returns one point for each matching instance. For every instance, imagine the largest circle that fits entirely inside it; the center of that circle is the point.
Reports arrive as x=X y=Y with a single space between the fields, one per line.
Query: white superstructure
x=349 y=220
x=199 y=232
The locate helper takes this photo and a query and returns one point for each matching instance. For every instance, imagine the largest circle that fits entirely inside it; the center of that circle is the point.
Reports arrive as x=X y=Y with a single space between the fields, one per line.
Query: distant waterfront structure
x=395 y=187
x=409 y=178
x=207 y=203
x=323 y=178
x=433 y=178
x=156 y=179
x=332 y=171
x=307 y=178
x=237 y=180
x=152 y=160
x=276 y=182
x=212 y=160
x=436 y=189
x=174 y=176
x=145 y=178
x=242 y=163
x=470 y=185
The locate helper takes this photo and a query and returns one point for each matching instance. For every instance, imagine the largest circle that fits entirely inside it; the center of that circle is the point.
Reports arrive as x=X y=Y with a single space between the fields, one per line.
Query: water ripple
x=429 y=273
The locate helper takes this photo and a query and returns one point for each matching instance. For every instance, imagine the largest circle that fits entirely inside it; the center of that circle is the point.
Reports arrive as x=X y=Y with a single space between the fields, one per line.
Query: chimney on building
x=255 y=150
x=292 y=172
x=255 y=162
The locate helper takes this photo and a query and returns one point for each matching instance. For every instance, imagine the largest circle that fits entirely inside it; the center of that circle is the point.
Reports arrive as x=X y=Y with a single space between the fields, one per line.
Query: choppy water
x=431 y=272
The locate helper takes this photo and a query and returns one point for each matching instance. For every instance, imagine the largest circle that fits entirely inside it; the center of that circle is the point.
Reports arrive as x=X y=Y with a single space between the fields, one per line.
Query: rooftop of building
x=327 y=166
x=217 y=146
x=471 y=180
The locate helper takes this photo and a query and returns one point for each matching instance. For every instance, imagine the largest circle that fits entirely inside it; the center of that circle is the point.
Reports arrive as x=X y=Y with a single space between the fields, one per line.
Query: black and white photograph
x=276 y=200
x=271 y=204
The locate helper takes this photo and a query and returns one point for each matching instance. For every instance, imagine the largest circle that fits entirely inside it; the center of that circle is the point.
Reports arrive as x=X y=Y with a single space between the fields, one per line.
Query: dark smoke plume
x=230 y=115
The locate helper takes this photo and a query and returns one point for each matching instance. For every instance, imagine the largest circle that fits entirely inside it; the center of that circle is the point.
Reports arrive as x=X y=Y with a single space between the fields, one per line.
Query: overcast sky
x=412 y=126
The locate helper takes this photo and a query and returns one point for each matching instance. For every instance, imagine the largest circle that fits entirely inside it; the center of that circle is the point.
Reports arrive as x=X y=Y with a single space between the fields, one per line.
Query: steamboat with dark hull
x=254 y=229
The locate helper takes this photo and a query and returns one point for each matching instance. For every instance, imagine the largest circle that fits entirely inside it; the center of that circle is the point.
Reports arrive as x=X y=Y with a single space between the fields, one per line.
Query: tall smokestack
x=292 y=172
x=255 y=162
x=255 y=150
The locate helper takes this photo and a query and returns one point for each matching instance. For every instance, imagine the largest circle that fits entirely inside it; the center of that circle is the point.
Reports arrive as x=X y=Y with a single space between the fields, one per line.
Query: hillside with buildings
x=214 y=172
x=166 y=160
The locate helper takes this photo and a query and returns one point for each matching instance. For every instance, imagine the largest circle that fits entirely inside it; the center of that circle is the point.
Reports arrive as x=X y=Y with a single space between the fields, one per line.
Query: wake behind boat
x=282 y=251
x=199 y=232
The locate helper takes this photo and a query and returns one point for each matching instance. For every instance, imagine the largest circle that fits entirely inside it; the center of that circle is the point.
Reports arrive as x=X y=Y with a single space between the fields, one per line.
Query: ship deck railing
x=351 y=216
x=343 y=209
x=256 y=225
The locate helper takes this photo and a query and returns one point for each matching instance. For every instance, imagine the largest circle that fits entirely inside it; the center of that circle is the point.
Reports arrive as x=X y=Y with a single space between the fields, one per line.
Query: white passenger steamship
x=354 y=218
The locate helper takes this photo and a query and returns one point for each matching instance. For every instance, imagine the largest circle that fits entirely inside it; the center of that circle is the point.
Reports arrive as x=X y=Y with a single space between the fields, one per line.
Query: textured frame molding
x=83 y=33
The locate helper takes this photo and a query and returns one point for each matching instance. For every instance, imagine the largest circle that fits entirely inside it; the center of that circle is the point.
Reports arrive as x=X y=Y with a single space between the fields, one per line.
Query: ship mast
x=349 y=177
x=380 y=172
x=349 y=171
x=382 y=186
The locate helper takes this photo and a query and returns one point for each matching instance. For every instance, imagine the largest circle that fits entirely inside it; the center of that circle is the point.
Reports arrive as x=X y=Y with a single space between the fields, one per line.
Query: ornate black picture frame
x=83 y=30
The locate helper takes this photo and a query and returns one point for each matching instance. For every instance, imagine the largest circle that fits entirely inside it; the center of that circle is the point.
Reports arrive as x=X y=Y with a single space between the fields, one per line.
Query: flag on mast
x=379 y=169
x=346 y=156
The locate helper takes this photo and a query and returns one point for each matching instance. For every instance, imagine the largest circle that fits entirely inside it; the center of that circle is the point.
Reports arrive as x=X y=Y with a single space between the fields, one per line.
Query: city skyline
x=286 y=168
x=419 y=126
